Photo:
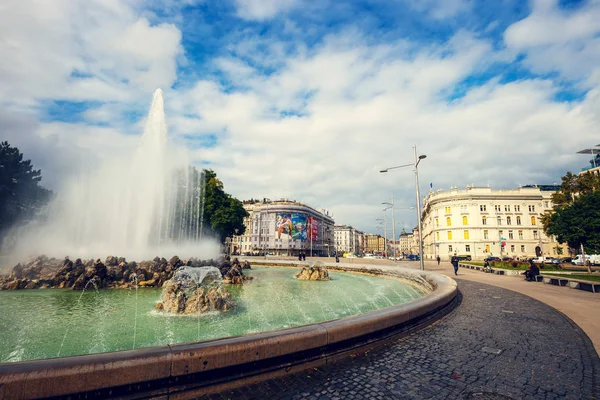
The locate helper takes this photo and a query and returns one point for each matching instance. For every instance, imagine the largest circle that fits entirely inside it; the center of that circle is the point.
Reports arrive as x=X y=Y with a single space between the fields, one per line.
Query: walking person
x=438 y=259
x=454 y=262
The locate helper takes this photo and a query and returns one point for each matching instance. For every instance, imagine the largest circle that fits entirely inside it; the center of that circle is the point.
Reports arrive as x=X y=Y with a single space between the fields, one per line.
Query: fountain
x=151 y=202
x=138 y=204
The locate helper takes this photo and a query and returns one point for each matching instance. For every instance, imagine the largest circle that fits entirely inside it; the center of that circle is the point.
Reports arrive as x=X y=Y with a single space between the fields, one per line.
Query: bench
x=572 y=283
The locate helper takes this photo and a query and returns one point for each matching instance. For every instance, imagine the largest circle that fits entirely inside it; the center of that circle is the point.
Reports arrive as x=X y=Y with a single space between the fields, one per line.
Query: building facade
x=481 y=222
x=374 y=244
x=346 y=239
x=284 y=227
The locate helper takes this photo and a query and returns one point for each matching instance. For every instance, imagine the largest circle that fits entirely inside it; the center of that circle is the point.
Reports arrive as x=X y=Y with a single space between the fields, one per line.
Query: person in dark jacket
x=532 y=272
x=454 y=262
x=438 y=260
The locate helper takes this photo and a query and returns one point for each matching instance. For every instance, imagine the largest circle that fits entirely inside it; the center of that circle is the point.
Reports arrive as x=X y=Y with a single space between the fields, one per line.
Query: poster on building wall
x=313 y=229
x=283 y=224
x=299 y=227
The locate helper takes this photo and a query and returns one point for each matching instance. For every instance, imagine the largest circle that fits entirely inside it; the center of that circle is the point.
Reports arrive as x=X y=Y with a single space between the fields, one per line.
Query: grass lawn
x=583 y=277
x=508 y=265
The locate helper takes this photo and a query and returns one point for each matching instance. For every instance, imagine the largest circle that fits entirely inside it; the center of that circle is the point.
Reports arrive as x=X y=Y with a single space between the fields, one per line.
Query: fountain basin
x=194 y=368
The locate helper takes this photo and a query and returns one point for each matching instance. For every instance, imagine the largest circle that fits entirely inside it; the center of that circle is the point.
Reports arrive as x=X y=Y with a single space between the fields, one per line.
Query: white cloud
x=362 y=107
x=263 y=9
x=323 y=122
x=558 y=40
x=441 y=9
x=74 y=50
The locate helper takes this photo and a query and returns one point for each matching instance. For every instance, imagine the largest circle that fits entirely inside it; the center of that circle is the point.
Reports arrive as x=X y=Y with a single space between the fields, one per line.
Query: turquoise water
x=48 y=323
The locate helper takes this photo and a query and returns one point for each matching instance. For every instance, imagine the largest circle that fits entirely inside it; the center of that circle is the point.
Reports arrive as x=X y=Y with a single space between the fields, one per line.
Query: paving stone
x=446 y=361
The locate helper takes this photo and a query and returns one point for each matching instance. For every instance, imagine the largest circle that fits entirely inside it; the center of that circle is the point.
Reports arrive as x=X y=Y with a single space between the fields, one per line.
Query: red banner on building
x=313 y=231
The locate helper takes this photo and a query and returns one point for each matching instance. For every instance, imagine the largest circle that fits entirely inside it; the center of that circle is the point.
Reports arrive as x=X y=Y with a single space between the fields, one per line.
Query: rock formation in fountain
x=232 y=272
x=195 y=290
x=115 y=272
x=137 y=203
x=314 y=272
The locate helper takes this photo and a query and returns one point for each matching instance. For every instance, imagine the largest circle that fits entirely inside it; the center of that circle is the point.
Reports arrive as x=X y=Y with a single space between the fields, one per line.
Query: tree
x=223 y=213
x=21 y=196
x=575 y=217
x=578 y=223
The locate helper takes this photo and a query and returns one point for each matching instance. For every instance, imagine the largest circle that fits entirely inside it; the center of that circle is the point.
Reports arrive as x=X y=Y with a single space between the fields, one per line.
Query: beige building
x=346 y=239
x=481 y=222
x=284 y=227
x=375 y=244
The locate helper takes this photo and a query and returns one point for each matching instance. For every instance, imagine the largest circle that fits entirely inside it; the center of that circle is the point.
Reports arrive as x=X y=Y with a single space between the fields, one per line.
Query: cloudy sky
x=308 y=100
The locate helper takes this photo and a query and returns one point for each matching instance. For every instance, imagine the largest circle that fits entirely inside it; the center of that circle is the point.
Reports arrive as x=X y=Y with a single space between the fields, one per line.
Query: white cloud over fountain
x=137 y=205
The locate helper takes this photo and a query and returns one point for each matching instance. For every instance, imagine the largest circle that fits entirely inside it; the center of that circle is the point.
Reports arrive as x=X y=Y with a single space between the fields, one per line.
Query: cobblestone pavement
x=542 y=355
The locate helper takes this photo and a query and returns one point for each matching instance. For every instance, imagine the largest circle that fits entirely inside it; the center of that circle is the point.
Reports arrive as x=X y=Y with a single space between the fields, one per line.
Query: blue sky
x=308 y=100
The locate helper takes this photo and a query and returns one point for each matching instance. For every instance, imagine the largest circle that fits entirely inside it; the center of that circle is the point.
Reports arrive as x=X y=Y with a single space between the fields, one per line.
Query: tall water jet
x=136 y=204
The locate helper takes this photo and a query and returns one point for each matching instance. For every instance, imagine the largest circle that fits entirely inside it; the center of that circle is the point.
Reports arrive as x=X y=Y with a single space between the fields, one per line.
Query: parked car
x=462 y=257
x=553 y=260
x=578 y=260
x=491 y=258
x=566 y=260
x=542 y=260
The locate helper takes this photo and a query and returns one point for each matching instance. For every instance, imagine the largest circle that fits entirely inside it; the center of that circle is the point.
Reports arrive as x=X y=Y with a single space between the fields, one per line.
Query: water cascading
x=138 y=204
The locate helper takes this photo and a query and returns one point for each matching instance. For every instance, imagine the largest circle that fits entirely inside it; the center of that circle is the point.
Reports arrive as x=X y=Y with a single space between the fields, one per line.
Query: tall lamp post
x=394 y=222
x=384 y=234
x=415 y=164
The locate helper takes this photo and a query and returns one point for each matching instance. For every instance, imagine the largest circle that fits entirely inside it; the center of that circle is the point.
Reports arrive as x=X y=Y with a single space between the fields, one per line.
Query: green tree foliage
x=578 y=223
x=21 y=195
x=575 y=216
x=223 y=213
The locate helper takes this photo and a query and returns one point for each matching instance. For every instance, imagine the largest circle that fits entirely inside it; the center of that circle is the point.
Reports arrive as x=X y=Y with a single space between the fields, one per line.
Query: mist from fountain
x=138 y=205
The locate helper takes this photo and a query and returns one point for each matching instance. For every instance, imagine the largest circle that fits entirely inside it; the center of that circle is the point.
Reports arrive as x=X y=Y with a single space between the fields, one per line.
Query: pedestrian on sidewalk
x=438 y=260
x=454 y=262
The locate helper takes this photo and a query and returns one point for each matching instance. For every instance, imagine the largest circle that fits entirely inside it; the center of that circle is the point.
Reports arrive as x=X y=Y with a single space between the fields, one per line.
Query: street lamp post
x=384 y=235
x=418 y=195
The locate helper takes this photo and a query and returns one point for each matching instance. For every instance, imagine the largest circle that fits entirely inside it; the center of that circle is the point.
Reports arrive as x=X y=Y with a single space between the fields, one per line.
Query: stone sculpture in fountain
x=194 y=290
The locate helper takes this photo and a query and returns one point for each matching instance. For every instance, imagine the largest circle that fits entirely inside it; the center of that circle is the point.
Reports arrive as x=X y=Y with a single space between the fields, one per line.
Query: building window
x=497 y=208
x=448 y=221
x=531 y=208
x=510 y=235
x=487 y=248
x=437 y=236
x=512 y=248
x=447 y=210
x=522 y=248
x=501 y=233
x=518 y=220
x=465 y=220
x=521 y=235
x=484 y=220
x=482 y=207
x=535 y=234
x=486 y=234
x=507 y=208
x=437 y=222
x=517 y=208
x=499 y=220
x=466 y=234
x=449 y=235
x=449 y=248
x=468 y=248
x=546 y=204
x=508 y=221
x=533 y=220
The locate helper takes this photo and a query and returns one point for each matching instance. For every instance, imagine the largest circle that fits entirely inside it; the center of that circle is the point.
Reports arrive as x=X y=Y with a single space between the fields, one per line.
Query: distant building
x=594 y=167
x=346 y=239
x=375 y=244
x=284 y=227
x=481 y=222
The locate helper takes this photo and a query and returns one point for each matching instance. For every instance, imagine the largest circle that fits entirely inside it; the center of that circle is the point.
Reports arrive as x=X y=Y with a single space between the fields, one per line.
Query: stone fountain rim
x=170 y=368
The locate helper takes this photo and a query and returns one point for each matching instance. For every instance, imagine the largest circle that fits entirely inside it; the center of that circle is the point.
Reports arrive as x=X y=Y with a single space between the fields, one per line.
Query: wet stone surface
x=543 y=356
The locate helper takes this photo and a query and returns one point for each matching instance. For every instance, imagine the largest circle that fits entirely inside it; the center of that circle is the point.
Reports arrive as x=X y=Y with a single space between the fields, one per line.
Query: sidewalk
x=581 y=306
